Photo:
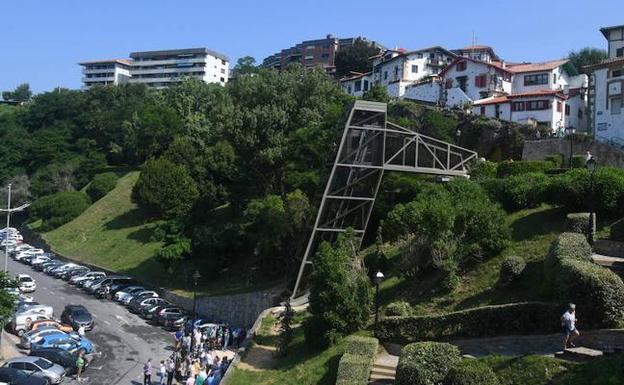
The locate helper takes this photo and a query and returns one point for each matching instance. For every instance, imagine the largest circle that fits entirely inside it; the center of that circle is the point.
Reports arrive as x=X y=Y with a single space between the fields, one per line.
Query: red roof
x=535 y=67
x=507 y=98
x=558 y=93
x=356 y=75
x=495 y=100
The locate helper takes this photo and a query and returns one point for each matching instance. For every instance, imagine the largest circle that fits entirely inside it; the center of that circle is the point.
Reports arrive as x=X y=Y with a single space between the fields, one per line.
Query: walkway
x=384 y=369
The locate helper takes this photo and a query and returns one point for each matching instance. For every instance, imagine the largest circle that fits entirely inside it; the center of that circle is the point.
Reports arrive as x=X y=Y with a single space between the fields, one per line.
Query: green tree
x=22 y=93
x=355 y=58
x=586 y=56
x=340 y=292
x=245 y=65
x=377 y=93
x=7 y=301
x=101 y=185
x=165 y=188
x=59 y=208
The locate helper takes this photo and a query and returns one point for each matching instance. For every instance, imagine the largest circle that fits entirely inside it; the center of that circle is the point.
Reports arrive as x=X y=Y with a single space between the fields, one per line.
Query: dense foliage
x=508 y=168
x=355 y=364
x=426 y=363
x=579 y=222
x=355 y=58
x=340 y=292
x=101 y=185
x=59 y=208
x=518 y=192
x=471 y=372
x=511 y=269
x=486 y=321
x=585 y=57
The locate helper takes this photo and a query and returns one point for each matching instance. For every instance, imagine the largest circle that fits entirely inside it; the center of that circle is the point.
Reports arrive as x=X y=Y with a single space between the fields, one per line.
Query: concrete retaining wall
x=604 y=154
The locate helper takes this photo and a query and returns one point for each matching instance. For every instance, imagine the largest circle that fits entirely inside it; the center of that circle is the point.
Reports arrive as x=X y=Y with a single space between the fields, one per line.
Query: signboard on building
x=615 y=88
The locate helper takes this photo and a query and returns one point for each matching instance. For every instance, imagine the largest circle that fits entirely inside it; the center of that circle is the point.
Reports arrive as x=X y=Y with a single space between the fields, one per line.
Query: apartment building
x=607 y=90
x=159 y=69
x=105 y=72
x=312 y=53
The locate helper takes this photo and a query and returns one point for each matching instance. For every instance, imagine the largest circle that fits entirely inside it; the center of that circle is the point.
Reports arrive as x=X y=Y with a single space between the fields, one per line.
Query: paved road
x=125 y=340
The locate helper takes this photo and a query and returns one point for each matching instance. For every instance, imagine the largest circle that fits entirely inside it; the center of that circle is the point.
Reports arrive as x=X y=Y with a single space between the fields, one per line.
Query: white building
x=161 y=68
x=550 y=94
x=607 y=90
x=357 y=84
x=158 y=69
x=104 y=72
x=482 y=53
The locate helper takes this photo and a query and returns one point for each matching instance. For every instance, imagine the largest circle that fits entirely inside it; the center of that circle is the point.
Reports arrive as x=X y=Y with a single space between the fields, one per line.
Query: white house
x=607 y=90
x=482 y=53
x=356 y=84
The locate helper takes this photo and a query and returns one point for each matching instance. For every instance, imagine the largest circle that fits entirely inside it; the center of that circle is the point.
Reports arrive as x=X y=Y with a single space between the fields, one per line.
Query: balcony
x=98 y=80
x=145 y=63
x=169 y=70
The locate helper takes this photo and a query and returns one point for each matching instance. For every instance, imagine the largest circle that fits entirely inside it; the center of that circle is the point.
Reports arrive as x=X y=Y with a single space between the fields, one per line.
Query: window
x=396 y=73
x=580 y=113
x=616 y=73
x=535 y=80
x=385 y=75
x=536 y=105
x=463 y=81
x=616 y=106
x=461 y=66
x=357 y=86
x=365 y=85
x=554 y=78
x=449 y=83
x=567 y=109
x=414 y=68
x=619 y=52
x=349 y=89
x=559 y=106
x=222 y=80
x=517 y=106
x=482 y=110
x=480 y=81
x=432 y=55
x=419 y=56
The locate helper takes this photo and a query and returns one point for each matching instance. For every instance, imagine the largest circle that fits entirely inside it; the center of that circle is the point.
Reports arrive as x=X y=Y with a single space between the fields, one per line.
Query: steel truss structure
x=369 y=146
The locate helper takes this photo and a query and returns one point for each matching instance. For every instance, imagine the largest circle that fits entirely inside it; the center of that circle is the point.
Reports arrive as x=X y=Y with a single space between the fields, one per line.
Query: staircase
x=384 y=370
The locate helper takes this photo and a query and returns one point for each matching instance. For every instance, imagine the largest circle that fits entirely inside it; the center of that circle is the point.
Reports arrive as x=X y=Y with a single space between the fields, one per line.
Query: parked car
x=77 y=279
x=12 y=376
x=47 y=266
x=173 y=320
x=34 y=308
x=38 y=367
x=27 y=338
x=151 y=311
x=92 y=289
x=139 y=303
x=127 y=292
x=72 y=272
x=167 y=312
x=59 y=272
x=26 y=284
x=77 y=316
x=60 y=357
x=69 y=342
x=88 y=284
x=121 y=284
x=51 y=323
x=40 y=260
x=20 y=323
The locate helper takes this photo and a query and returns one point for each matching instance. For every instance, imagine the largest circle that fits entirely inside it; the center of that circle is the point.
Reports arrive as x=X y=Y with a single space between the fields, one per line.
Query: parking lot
x=123 y=340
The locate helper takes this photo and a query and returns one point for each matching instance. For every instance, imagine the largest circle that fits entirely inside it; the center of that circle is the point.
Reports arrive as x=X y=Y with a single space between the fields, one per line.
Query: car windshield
x=43 y=364
x=26 y=279
x=80 y=313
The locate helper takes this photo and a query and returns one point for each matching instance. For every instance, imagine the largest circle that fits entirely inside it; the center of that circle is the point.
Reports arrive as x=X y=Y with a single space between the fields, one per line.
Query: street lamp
x=570 y=133
x=378 y=278
x=196 y=278
x=591 y=166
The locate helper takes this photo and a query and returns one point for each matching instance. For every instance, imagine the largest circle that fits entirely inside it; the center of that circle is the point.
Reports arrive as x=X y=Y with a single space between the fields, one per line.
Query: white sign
x=615 y=88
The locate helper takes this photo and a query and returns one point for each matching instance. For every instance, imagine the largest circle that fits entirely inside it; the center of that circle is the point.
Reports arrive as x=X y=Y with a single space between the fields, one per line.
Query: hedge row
x=356 y=363
x=572 y=277
x=471 y=372
x=511 y=269
x=579 y=222
x=556 y=160
x=508 y=168
x=487 y=321
x=426 y=363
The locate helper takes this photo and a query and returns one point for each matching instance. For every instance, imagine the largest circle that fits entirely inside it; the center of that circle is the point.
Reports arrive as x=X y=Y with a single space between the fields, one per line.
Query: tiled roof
x=535 y=67
x=493 y=100
x=121 y=61
x=356 y=75
x=606 y=63
x=535 y=94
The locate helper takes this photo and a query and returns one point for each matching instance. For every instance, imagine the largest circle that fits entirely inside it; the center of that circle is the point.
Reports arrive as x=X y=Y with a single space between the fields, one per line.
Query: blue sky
x=42 y=40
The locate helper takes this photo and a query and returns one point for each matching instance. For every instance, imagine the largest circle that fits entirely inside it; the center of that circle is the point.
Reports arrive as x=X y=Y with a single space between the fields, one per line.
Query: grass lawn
x=115 y=234
x=302 y=365
x=533 y=231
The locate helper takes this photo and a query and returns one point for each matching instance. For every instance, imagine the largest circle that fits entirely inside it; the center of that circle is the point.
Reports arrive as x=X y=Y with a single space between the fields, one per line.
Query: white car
x=26 y=283
x=19 y=256
x=25 y=308
x=127 y=292
x=86 y=277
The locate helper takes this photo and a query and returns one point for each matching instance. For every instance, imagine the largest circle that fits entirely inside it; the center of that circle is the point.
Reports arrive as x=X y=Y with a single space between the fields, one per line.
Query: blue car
x=71 y=343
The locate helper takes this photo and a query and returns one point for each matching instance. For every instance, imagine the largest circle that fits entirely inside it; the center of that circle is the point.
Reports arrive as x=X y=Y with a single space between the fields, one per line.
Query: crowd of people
x=198 y=356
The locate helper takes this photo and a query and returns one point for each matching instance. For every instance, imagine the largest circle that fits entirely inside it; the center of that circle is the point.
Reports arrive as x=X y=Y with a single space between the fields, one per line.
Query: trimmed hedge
x=398 y=309
x=511 y=269
x=578 y=161
x=356 y=363
x=353 y=369
x=483 y=169
x=363 y=346
x=487 y=321
x=556 y=159
x=567 y=245
x=426 y=363
x=617 y=231
x=508 y=168
x=471 y=372
x=579 y=222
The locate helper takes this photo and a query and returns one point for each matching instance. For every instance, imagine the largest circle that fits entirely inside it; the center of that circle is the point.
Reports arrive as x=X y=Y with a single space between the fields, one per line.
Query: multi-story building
x=550 y=94
x=607 y=90
x=104 y=72
x=482 y=53
x=159 y=69
x=312 y=53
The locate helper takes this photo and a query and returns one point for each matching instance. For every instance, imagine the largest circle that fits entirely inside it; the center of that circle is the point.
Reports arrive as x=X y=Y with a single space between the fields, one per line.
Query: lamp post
x=196 y=278
x=591 y=166
x=378 y=278
x=570 y=132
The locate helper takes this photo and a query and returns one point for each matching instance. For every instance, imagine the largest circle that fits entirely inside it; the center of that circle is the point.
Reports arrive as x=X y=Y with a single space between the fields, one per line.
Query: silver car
x=38 y=367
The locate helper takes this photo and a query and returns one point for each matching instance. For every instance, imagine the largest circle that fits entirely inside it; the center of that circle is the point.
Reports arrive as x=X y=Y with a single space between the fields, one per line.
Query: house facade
x=357 y=84
x=105 y=72
x=607 y=90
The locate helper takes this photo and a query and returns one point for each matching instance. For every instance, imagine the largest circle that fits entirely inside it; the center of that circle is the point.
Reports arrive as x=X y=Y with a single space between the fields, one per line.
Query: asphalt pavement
x=123 y=340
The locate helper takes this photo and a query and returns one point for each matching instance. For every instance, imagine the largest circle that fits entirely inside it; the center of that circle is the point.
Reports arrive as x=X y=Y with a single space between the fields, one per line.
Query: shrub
x=511 y=269
x=101 y=185
x=579 y=222
x=598 y=292
x=57 y=209
x=398 y=309
x=353 y=369
x=426 y=363
x=573 y=190
x=578 y=161
x=487 y=321
x=483 y=169
x=567 y=245
x=556 y=159
x=360 y=345
x=508 y=168
x=617 y=231
x=523 y=191
x=471 y=372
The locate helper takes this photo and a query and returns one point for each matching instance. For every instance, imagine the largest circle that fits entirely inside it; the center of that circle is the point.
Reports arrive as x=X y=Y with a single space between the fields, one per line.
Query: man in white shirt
x=568 y=321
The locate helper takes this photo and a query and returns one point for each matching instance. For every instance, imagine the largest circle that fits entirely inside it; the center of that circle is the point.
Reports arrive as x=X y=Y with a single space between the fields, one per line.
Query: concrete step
x=383 y=373
x=381 y=382
x=614 y=263
x=579 y=354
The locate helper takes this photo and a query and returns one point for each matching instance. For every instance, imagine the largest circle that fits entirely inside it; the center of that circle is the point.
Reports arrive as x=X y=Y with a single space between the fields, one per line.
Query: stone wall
x=605 y=155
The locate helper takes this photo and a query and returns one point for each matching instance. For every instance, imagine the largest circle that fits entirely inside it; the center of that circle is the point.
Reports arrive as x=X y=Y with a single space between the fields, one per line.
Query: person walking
x=568 y=322
x=170 y=366
x=147 y=372
x=178 y=338
x=79 y=364
x=162 y=373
